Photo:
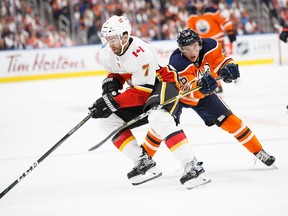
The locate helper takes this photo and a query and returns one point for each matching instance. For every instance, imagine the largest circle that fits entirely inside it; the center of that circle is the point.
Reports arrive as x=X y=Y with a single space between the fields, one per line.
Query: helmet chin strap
x=123 y=45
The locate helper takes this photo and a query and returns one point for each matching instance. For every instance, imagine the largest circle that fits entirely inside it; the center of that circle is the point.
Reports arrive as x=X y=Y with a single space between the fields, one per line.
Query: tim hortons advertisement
x=19 y=65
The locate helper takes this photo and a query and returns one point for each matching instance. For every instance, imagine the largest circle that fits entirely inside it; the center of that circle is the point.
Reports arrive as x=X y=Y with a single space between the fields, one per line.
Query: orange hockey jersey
x=211 y=59
x=210 y=24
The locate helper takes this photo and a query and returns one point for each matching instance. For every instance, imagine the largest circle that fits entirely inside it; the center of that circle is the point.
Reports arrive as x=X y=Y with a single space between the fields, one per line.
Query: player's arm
x=134 y=96
x=208 y=85
x=222 y=65
x=166 y=87
x=229 y=72
x=227 y=26
x=227 y=69
x=113 y=83
x=107 y=104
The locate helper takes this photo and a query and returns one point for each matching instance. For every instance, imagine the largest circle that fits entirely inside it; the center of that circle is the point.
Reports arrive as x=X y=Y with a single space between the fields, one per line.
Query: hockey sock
x=152 y=142
x=127 y=144
x=219 y=84
x=242 y=133
x=178 y=145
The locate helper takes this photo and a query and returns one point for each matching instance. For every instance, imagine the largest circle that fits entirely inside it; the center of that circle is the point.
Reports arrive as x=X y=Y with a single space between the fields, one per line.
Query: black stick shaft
x=35 y=164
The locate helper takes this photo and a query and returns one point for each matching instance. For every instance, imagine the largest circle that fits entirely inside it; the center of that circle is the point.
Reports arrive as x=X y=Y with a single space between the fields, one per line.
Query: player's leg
x=152 y=142
x=219 y=88
x=164 y=125
x=213 y=110
x=144 y=167
x=245 y=136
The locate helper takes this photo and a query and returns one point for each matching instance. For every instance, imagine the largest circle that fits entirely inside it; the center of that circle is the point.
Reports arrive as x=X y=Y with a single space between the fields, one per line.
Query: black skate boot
x=144 y=170
x=263 y=156
x=194 y=175
x=219 y=89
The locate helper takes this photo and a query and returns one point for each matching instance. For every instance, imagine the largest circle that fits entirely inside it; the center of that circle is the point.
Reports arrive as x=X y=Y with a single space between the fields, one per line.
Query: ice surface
x=72 y=181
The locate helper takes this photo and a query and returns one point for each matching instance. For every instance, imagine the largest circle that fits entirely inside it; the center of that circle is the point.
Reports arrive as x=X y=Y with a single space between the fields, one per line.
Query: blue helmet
x=187 y=37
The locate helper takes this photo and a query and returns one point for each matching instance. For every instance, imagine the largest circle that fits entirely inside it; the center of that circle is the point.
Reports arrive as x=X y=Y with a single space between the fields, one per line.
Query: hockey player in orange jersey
x=209 y=23
x=284 y=37
x=199 y=62
x=284 y=34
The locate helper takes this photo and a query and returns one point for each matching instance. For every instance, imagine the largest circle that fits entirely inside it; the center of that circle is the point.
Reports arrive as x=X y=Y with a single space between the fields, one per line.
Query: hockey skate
x=194 y=175
x=267 y=159
x=219 y=89
x=144 y=170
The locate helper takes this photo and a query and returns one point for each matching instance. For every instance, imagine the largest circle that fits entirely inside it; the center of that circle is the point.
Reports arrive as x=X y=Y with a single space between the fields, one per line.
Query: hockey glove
x=104 y=106
x=229 y=72
x=162 y=91
x=111 y=85
x=284 y=34
x=208 y=83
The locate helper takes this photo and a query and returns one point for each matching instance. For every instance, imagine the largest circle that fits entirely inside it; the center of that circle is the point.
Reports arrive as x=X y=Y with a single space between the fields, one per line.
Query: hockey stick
x=34 y=165
x=143 y=115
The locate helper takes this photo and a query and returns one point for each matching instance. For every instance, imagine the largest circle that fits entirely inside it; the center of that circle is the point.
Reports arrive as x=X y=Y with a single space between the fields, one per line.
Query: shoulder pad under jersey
x=208 y=44
x=178 y=61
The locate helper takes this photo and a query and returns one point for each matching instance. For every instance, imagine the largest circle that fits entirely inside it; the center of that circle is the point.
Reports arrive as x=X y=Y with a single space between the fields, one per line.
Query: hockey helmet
x=188 y=37
x=116 y=25
x=215 y=2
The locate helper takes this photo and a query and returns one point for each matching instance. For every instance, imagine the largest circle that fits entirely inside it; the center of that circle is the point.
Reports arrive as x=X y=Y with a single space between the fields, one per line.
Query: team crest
x=203 y=26
x=202 y=71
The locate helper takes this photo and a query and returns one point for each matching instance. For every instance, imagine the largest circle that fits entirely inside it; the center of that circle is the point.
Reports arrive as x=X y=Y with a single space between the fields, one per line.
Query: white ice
x=71 y=181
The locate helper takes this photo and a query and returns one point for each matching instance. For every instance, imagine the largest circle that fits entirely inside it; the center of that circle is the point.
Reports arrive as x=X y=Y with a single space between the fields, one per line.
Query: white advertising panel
x=18 y=65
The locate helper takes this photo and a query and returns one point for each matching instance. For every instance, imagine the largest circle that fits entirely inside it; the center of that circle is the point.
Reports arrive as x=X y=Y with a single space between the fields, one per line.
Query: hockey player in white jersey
x=128 y=59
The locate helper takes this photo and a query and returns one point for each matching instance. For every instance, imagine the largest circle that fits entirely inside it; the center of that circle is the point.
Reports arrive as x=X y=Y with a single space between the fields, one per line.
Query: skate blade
x=194 y=183
x=272 y=166
x=151 y=174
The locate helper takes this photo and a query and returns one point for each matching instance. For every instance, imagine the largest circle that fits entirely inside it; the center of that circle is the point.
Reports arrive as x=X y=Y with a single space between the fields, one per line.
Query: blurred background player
x=284 y=34
x=197 y=62
x=209 y=22
x=283 y=37
x=129 y=59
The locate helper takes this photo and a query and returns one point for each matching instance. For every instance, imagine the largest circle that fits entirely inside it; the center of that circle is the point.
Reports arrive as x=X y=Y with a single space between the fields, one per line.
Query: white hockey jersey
x=139 y=60
x=137 y=66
